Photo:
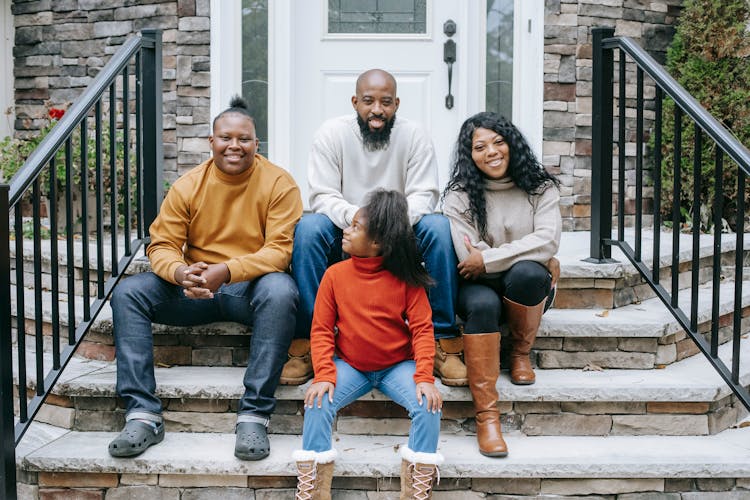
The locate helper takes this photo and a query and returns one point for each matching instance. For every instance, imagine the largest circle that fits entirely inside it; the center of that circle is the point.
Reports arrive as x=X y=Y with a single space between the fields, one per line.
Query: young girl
x=505 y=222
x=372 y=328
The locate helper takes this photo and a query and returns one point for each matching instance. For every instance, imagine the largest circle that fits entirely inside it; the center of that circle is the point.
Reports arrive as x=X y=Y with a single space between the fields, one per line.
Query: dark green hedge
x=709 y=56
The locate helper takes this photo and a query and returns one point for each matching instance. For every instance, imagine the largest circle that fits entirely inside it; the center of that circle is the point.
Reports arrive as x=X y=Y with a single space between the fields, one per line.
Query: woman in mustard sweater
x=372 y=328
x=503 y=207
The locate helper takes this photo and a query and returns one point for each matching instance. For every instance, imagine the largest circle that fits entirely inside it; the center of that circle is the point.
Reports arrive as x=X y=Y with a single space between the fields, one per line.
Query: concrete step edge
x=689 y=380
x=574 y=247
x=648 y=319
x=722 y=455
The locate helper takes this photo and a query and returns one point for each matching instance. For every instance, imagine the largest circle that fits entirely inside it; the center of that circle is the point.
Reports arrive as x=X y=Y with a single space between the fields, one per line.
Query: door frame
x=7 y=40
x=226 y=74
x=528 y=45
x=225 y=53
x=281 y=74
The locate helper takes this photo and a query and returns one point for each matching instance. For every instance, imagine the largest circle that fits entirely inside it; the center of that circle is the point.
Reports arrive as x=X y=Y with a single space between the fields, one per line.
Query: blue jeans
x=317 y=245
x=396 y=382
x=268 y=304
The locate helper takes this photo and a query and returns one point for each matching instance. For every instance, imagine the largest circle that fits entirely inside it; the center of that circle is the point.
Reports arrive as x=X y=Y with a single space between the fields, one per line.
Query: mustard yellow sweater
x=245 y=221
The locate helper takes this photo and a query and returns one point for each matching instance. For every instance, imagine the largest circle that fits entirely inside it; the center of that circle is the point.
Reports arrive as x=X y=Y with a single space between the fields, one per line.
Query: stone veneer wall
x=567 y=90
x=62 y=44
x=120 y=486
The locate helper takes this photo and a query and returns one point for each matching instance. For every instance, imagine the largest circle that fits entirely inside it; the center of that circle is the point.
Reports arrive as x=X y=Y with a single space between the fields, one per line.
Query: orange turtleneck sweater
x=361 y=313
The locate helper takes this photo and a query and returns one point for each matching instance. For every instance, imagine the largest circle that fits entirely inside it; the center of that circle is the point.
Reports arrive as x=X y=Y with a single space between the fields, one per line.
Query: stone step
x=582 y=284
x=643 y=335
x=202 y=466
x=139 y=264
x=612 y=285
x=687 y=397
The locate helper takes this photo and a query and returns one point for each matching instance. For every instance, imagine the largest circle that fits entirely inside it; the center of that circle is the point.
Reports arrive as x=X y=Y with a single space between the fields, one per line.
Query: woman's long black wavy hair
x=524 y=169
x=387 y=215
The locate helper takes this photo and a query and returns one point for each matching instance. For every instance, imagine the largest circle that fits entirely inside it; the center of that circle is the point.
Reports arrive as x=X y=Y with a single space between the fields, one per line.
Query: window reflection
x=500 y=57
x=377 y=16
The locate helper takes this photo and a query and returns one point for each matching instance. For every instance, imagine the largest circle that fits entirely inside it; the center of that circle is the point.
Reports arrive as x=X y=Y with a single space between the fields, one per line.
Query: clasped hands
x=201 y=280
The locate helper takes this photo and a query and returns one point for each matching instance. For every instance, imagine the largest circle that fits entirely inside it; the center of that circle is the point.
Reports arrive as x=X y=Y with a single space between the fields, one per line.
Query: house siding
x=61 y=45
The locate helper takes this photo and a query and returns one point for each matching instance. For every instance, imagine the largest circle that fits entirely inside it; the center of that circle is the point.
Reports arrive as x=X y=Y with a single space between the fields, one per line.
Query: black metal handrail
x=106 y=174
x=706 y=128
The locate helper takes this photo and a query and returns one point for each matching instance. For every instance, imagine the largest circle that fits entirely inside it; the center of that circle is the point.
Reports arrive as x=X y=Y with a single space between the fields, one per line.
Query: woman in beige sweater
x=505 y=220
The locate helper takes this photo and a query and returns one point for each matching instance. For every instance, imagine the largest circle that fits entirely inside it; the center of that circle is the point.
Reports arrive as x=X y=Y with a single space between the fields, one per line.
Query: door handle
x=449 y=57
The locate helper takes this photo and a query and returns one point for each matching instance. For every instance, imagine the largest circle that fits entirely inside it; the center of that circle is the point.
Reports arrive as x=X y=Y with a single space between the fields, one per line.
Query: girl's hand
x=431 y=393
x=318 y=390
x=473 y=266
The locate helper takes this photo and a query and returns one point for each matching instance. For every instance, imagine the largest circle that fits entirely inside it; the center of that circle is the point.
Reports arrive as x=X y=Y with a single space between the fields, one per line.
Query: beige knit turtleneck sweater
x=519 y=226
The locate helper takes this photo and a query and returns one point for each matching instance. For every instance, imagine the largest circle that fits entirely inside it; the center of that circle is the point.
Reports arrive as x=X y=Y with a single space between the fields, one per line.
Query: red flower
x=56 y=113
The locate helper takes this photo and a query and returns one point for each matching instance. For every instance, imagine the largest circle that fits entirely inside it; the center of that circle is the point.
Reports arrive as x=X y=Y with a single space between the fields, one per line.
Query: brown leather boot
x=314 y=474
x=482 y=352
x=523 y=322
x=298 y=369
x=448 y=365
x=418 y=472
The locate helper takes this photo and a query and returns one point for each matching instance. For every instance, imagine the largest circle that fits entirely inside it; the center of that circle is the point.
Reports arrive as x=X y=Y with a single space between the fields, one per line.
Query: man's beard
x=375 y=140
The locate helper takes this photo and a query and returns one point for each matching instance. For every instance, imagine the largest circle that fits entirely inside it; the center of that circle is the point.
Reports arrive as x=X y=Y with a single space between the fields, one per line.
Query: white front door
x=333 y=42
x=317 y=48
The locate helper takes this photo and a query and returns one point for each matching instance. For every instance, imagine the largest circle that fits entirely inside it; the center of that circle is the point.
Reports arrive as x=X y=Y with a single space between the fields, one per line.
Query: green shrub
x=14 y=152
x=709 y=56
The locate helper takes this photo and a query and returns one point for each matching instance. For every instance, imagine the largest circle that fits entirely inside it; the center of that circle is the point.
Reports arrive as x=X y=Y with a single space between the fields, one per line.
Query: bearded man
x=350 y=156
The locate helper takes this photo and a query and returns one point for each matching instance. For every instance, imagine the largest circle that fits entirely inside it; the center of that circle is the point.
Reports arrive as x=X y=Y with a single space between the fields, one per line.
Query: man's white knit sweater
x=340 y=171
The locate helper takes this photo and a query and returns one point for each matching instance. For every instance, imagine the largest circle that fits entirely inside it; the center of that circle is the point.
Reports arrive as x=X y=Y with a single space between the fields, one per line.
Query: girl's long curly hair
x=387 y=215
x=524 y=169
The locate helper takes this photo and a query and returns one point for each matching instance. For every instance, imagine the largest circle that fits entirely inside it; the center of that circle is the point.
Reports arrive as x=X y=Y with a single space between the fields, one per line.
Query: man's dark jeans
x=267 y=304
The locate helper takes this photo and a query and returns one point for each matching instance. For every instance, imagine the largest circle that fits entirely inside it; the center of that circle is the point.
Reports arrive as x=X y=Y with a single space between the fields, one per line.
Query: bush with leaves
x=15 y=151
x=710 y=57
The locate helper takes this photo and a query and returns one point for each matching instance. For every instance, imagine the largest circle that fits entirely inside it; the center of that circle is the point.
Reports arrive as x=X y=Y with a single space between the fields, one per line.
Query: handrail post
x=153 y=147
x=601 y=147
x=7 y=427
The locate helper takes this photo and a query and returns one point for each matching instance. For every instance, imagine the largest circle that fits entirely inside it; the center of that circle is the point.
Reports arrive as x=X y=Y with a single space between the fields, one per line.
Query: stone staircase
x=622 y=408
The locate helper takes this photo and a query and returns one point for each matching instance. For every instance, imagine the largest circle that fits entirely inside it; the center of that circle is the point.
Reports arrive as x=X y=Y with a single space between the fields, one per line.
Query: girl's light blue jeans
x=396 y=382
